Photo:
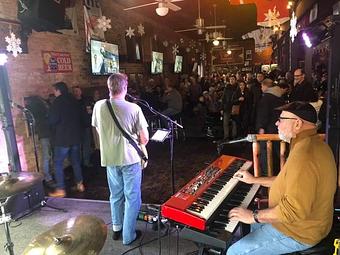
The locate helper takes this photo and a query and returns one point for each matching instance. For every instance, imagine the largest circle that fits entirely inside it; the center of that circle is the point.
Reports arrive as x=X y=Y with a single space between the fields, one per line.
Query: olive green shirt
x=304 y=190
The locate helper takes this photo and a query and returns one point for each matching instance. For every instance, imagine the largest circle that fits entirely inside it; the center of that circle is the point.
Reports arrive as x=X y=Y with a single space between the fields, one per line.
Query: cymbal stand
x=6 y=218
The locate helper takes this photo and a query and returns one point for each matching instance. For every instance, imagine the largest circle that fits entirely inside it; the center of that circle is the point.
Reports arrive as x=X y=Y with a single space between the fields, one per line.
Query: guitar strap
x=126 y=135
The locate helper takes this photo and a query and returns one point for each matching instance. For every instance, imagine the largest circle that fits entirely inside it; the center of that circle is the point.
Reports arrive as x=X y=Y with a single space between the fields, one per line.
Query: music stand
x=160 y=135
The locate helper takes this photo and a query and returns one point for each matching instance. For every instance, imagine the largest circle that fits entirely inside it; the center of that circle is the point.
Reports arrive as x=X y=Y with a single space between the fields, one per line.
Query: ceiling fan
x=199 y=24
x=163 y=6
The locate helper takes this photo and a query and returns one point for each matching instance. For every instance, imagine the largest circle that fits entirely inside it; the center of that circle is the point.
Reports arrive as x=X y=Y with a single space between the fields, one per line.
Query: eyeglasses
x=285 y=118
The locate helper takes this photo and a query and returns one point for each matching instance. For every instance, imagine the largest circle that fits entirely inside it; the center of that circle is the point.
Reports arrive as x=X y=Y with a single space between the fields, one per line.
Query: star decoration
x=272 y=17
x=165 y=43
x=140 y=29
x=130 y=32
x=103 y=23
x=293 y=29
x=13 y=44
x=175 y=49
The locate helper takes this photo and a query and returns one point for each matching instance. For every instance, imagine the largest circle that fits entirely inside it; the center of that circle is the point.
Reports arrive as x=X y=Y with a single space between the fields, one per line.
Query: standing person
x=302 y=89
x=293 y=221
x=65 y=116
x=122 y=161
x=227 y=103
x=265 y=121
x=86 y=105
x=40 y=106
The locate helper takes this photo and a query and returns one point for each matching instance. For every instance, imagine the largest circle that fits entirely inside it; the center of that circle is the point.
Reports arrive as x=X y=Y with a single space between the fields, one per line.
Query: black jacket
x=303 y=92
x=66 y=118
x=266 y=116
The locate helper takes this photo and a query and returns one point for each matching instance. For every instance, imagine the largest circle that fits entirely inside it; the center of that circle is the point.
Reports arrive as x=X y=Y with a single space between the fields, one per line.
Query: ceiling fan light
x=162 y=11
x=216 y=42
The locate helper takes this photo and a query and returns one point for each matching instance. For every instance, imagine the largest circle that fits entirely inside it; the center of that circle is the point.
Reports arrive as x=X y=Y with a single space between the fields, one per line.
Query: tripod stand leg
x=44 y=203
x=9 y=245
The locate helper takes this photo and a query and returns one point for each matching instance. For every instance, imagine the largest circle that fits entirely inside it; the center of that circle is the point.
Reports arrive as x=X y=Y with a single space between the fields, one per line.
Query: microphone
x=249 y=138
x=132 y=97
x=20 y=107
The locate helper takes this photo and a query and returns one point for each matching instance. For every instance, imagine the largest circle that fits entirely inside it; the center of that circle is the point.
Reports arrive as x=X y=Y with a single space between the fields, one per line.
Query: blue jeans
x=125 y=198
x=46 y=157
x=60 y=154
x=265 y=239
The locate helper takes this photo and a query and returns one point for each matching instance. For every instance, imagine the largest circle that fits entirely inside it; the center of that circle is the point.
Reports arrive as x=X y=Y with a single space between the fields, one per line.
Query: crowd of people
x=63 y=126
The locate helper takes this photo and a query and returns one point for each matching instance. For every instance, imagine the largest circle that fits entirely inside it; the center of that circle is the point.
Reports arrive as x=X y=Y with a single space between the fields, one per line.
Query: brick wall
x=26 y=74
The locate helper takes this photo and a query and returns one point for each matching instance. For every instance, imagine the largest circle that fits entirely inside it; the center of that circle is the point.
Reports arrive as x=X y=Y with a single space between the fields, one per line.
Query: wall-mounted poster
x=248 y=55
x=57 y=62
x=220 y=56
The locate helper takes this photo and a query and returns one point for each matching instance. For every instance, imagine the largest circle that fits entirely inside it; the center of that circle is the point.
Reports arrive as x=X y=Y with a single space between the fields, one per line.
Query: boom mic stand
x=171 y=124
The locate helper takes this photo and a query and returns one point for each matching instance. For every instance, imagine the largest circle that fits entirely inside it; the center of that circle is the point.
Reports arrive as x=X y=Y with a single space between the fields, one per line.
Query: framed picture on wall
x=249 y=55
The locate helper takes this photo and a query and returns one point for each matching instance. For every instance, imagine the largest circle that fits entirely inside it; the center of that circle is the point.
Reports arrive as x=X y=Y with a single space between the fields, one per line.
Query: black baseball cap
x=303 y=110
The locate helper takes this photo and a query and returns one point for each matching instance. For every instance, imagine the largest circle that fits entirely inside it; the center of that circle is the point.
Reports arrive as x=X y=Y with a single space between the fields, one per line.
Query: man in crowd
x=302 y=90
x=86 y=137
x=227 y=103
x=40 y=106
x=65 y=118
x=122 y=161
x=293 y=221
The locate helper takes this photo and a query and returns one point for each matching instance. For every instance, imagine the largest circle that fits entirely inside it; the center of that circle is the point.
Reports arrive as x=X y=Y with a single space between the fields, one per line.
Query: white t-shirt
x=115 y=149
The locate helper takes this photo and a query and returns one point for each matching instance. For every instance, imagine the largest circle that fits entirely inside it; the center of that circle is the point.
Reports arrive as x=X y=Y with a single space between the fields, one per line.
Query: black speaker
x=42 y=15
x=25 y=202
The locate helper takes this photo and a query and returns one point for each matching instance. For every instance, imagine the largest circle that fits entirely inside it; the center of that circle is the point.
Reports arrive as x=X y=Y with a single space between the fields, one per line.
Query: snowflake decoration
x=293 y=29
x=13 y=44
x=272 y=17
x=103 y=23
x=203 y=56
x=187 y=49
x=192 y=44
x=165 y=43
x=140 y=29
x=175 y=49
x=181 y=40
x=130 y=32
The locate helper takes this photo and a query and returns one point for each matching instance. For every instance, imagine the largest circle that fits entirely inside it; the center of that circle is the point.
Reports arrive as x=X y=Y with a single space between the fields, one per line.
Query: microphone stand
x=31 y=121
x=249 y=138
x=171 y=124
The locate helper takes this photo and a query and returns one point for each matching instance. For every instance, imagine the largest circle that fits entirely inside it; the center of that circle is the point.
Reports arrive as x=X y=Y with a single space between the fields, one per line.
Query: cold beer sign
x=57 y=62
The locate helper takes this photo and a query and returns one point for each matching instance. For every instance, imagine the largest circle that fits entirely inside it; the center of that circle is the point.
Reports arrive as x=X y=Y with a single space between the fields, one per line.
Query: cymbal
x=82 y=235
x=15 y=183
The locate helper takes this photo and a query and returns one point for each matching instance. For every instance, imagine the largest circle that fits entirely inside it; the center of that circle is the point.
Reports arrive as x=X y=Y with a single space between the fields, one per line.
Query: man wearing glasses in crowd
x=300 y=208
x=302 y=89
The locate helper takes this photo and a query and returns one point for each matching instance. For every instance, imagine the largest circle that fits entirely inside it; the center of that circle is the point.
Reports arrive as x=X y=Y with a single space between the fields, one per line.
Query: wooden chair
x=269 y=138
